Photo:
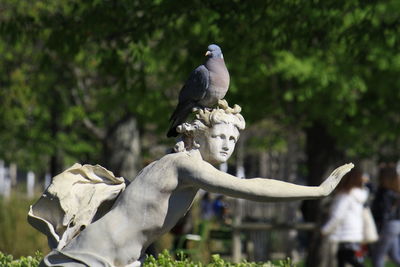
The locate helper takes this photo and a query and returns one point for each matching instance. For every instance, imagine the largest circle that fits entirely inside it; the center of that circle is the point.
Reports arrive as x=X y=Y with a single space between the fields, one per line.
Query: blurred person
x=344 y=227
x=220 y=208
x=206 y=206
x=386 y=211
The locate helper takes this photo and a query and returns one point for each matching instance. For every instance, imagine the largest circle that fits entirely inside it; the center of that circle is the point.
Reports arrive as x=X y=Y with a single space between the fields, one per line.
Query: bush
x=164 y=259
x=8 y=260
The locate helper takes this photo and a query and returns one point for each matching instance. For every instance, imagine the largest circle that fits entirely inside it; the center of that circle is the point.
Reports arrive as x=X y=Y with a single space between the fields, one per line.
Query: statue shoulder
x=184 y=158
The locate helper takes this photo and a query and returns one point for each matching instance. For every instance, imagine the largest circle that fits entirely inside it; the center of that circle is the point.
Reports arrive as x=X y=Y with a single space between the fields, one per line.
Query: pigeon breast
x=219 y=82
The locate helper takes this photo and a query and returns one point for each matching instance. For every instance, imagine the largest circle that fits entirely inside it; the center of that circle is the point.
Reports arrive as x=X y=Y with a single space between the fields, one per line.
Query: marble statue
x=84 y=232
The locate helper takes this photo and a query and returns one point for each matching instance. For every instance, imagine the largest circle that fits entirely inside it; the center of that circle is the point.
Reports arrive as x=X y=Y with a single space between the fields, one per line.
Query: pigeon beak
x=208 y=53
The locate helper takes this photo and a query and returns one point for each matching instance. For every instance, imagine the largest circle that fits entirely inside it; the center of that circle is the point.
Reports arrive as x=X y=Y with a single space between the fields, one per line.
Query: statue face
x=218 y=145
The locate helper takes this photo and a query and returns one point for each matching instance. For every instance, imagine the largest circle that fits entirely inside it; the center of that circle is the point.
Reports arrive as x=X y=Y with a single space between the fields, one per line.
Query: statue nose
x=225 y=145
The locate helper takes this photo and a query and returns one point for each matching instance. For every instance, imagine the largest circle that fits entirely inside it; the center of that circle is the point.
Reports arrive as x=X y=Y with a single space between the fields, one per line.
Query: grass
x=17 y=236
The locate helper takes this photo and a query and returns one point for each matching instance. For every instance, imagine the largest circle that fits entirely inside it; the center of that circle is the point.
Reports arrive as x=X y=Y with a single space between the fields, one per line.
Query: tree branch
x=100 y=133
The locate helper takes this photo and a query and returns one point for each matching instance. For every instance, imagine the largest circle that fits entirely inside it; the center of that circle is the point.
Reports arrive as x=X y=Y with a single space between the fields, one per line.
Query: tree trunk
x=56 y=165
x=122 y=149
x=321 y=153
x=56 y=159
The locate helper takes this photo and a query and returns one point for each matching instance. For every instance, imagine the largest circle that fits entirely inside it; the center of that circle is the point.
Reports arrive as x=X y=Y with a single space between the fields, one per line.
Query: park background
x=96 y=81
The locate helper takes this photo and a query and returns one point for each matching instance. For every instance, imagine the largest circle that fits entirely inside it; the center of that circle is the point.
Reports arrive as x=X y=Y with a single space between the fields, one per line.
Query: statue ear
x=196 y=144
x=200 y=138
x=197 y=141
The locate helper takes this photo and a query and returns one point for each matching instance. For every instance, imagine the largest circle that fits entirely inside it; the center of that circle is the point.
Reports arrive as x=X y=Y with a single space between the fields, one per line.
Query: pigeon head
x=214 y=51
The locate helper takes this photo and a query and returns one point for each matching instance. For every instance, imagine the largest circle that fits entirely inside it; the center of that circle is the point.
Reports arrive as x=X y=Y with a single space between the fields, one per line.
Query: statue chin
x=216 y=159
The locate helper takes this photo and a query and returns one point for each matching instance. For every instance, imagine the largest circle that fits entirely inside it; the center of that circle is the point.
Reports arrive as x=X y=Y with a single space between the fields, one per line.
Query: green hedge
x=164 y=259
x=9 y=261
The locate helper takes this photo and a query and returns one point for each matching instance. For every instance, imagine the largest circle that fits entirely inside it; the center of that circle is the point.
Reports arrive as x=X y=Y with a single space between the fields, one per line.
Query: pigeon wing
x=196 y=86
x=192 y=92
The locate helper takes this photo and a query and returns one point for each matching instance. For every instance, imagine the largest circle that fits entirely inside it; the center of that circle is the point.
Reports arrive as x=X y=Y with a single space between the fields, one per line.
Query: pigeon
x=207 y=84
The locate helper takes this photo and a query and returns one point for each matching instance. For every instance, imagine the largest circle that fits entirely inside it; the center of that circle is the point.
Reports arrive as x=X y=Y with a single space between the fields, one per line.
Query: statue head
x=214 y=132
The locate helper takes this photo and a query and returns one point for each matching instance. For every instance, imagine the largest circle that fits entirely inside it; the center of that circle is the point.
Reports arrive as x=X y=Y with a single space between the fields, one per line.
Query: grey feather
x=207 y=84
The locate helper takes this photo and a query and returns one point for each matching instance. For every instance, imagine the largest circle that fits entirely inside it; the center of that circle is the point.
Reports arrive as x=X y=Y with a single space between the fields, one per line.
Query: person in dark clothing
x=220 y=208
x=206 y=205
x=386 y=211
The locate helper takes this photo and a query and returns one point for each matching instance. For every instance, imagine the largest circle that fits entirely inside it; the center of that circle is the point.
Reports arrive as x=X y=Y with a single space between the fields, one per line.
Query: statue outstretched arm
x=207 y=177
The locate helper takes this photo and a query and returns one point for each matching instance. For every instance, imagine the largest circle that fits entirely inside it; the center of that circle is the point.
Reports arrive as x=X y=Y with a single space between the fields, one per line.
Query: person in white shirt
x=345 y=224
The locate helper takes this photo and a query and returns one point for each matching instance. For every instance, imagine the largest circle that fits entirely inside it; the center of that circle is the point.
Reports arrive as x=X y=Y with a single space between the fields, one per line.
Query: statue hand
x=333 y=180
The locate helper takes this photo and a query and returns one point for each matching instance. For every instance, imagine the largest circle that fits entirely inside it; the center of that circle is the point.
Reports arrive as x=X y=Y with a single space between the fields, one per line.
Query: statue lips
x=224 y=153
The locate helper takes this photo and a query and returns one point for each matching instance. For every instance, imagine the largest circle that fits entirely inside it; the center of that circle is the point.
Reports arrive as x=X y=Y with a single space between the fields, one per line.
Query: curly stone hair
x=204 y=120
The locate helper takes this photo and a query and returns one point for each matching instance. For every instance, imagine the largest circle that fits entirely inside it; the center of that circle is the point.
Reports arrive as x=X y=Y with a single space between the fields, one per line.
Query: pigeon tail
x=179 y=116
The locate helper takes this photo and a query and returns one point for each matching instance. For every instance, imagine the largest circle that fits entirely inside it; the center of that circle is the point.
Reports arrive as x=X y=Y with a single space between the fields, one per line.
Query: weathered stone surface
x=160 y=195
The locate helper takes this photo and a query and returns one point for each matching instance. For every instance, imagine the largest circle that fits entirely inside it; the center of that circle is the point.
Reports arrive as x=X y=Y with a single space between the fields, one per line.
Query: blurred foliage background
x=96 y=81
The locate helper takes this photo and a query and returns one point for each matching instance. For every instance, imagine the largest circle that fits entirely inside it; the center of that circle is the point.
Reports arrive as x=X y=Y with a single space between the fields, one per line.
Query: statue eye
x=232 y=139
